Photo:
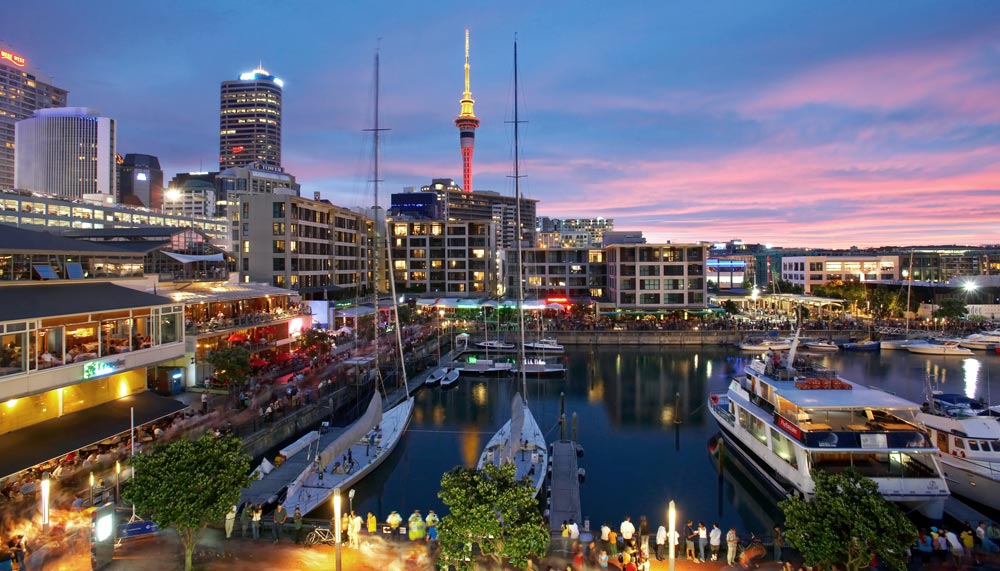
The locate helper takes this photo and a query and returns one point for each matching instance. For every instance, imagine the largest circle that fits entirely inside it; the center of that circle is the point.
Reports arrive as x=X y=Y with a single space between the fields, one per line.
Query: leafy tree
x=952 y=308
x=231 y=364
x=846 y=522
x=491 y=509
x=730 y=307
x=316 y=342
x=187 y=484
x=781 y=286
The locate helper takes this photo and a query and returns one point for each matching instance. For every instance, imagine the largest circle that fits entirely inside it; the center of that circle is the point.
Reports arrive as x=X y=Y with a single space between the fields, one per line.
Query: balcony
x=248 y=320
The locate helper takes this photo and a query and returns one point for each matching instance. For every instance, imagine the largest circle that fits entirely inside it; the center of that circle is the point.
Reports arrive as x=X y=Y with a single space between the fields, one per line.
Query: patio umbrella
x=282 y=357
x=237 y=338
x=257 y=363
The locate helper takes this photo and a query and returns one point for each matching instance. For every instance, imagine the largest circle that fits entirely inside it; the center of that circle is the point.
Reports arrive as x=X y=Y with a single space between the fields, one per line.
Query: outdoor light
x=672 y=523
x=350 y=497
x=91 y=488
x=336 y=522
x=118 y=477
x=46 y=487
x=970 y=286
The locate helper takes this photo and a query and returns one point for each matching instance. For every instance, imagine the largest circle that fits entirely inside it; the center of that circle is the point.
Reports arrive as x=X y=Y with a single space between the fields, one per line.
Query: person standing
x=417 y=527
x=258 y=512
x=627 y=530
x=394 y=520
x=661 y=541
x=779 y=542
x=230 y=522
x=605 y=532
x=574 y=531
x=280 y=517
x=690 y=534
x=245 y=520
x=354 y=531
x=20 y=551
x=732 y=542
x=431 y=520
x=372 y=523
x=702 y=541
x=204 y=402
x=644 y=534
x=297 y=525
x=715 y=541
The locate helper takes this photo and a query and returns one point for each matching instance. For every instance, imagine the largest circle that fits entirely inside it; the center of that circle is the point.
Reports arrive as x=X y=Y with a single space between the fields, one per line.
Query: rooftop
x=14 y=239
x=210 y=292
x=54 y=299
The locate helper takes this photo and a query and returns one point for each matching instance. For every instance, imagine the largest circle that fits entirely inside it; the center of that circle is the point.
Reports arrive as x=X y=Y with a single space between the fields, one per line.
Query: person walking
x=779 y=542
x=230 y=522
x=715 y=541
x=690 y=534
x=702 y=541
x=245 y=520
x=732 y=542
x=258 y=512
x=661 y=542
x=297 y=525
x=280 y=517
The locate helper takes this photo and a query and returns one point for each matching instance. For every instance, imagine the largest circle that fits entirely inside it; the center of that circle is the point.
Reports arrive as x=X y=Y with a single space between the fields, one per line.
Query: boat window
x=973 y=445
x=996 y=445
x=959 y=443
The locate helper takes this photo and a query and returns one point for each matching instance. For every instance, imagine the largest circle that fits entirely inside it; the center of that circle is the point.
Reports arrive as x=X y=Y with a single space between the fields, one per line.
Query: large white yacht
x=789 y=423
x=968 y=434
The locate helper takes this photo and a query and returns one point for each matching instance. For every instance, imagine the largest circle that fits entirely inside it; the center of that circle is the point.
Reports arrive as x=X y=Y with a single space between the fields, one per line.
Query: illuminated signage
x=94 y=369
x=13 y=58
x=556 y=300
x=140 y=176
x=788 y=427
x=237 y=150
x=295 y=327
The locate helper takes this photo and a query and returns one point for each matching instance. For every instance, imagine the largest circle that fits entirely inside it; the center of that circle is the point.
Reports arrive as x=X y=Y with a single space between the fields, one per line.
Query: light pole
x=91 y=488
x=46 y=489
x=350 y=498
x=439 y=328
x=672 y=523
x=336 y=523
x=118 y=476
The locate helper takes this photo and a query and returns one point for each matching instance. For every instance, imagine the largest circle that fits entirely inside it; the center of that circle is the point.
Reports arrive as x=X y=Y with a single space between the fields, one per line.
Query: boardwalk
x=564 y=486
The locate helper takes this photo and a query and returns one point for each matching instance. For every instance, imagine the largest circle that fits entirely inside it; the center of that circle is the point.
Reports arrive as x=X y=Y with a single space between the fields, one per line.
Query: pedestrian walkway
x=564 y=485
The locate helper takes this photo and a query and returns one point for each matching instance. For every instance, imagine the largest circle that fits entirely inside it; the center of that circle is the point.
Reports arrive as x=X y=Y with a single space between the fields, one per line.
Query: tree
x=846 y=522
x=316 y=342
x=730 y=307
x=231 y=364
x=491 y=509
x=951 y=308
x=186 y=484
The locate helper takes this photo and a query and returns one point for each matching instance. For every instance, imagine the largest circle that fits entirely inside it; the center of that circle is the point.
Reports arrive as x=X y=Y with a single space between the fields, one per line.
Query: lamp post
x=439 y=328
x=91 y=488
x=46 y=489
x=350 y=498
x=118 y=476
x=672 y=523
x=336 y=523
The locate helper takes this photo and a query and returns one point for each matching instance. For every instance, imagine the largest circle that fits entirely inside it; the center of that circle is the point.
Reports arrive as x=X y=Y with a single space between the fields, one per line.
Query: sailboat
x=371 y=439
x=905 y=342
x=519 y=441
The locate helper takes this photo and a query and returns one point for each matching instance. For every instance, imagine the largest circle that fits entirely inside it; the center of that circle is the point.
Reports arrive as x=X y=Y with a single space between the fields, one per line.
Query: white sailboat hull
x=531 y=460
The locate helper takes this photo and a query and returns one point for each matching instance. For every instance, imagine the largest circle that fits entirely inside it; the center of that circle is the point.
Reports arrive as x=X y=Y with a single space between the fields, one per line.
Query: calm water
x=637 y=459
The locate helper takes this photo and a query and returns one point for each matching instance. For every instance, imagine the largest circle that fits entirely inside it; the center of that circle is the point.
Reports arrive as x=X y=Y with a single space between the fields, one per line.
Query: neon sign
x=237 y=150
x=94 y=369
x=13 y=58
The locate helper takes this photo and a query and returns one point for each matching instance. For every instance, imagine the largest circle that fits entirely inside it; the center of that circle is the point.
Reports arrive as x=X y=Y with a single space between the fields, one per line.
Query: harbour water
x=637 y=457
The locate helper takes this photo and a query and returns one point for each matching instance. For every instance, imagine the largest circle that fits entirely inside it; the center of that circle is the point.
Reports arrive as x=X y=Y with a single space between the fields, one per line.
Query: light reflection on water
x=637 y=459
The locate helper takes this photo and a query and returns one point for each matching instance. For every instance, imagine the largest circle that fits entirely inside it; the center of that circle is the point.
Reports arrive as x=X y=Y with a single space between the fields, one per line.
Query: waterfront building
x=250 y=120
x=253 y=178
x=467 y=122
x=454 y=258
x=140 y=181
x=80 y=341
x=23 y=90
x=311 y=246
x=809 y=271
x=576 y=274
x=728 y=272
x=573 y=232
x=654 y=277
x=622 y=237
x=66 y=151
x=40 y=212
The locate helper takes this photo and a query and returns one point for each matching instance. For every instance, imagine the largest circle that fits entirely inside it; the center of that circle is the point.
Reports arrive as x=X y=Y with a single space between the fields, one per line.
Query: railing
x=244 y=321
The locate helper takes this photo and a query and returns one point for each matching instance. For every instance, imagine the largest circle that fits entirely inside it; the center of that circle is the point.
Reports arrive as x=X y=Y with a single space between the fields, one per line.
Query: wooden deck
x=564 y=486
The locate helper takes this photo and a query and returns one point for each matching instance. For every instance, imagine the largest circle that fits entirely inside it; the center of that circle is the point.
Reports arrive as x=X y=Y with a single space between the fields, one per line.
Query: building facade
x=809 y=271
x=454 y=258
x=68 y=151
x=577 y=274
x=23 y=90
x=655 y=277
x=573 y=232
x=140 y=181
x=250 y=120
x=253 y=178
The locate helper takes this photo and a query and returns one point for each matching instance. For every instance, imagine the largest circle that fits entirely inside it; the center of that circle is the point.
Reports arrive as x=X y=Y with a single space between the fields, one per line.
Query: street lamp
x=91 y=488
x=350 y=497
x=439 y=328
x=672 y=523
x=46 y=487
x=336 y=522
x=118 y=476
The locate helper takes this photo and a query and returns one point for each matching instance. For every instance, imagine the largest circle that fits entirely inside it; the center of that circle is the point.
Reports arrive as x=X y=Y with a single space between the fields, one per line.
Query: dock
x=564 y=485
x=962 y=512
x=266 y=490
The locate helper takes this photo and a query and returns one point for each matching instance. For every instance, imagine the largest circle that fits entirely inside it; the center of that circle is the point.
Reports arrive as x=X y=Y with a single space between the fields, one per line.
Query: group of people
x=959 y=545
x=14 y=552
x=251 y=518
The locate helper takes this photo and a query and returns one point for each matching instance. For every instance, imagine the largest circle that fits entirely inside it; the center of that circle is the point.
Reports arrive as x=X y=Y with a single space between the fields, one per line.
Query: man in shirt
x=661 y=541
x=732 y=542
x=627 y=530
x=689 y=536
x=715 y=541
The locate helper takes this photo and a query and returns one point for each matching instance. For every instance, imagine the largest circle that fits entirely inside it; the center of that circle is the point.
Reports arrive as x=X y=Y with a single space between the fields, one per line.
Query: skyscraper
x=140 y=181
x=467 y=123
x=250 y=120
x=66 y=151
x=22 y=91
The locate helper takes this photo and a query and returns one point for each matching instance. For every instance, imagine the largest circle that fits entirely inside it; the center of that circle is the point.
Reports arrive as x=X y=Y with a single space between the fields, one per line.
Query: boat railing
x=721 y=406
x=820 y=435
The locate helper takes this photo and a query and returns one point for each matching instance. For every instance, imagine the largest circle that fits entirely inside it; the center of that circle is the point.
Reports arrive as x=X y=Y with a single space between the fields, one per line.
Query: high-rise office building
x=140 y=181
x=66 y=151
x=22 y=91
x=250 y=120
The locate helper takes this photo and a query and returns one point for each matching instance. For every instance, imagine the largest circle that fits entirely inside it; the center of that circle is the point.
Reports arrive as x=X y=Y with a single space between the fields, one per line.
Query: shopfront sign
x=94 y=369
x=788 y=427
x=12 y=58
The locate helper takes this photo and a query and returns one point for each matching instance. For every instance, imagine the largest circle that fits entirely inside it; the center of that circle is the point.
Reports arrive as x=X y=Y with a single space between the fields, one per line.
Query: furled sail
x=357 y=431
x=516 y=427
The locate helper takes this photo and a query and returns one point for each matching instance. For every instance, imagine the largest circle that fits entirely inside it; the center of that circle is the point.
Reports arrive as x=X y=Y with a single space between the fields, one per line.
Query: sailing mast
x=518 y=235
x=376 y=268
x=909 y=289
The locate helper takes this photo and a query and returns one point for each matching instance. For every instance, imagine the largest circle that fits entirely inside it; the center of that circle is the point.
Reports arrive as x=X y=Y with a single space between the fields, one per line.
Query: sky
x=827 y=124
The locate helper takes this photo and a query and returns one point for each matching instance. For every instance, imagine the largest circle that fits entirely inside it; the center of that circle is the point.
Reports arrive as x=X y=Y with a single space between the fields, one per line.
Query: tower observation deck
x=467 y=123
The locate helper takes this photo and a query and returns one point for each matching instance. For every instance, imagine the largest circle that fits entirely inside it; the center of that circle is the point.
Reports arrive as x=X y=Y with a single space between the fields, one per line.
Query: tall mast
x=376 y=268
x=518 y=232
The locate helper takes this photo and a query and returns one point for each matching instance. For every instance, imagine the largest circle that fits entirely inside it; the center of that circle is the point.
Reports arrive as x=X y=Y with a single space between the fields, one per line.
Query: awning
x=187 y=259
x=55 y=438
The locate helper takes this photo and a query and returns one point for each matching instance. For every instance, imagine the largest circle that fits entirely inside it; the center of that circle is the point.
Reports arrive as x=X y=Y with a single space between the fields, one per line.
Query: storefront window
x=49 y=351
x=81 y=342
x=116 y=336
x=170 y=328
x=12 y=354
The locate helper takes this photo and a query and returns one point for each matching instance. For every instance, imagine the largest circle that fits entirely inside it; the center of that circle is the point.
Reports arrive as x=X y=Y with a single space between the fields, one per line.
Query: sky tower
x=467 y=123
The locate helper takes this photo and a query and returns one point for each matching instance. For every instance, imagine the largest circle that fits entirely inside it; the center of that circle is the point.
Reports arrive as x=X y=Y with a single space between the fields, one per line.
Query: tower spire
x=467 y=123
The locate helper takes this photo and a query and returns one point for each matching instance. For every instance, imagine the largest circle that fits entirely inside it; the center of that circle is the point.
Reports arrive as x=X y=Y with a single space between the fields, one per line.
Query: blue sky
x=794 y=123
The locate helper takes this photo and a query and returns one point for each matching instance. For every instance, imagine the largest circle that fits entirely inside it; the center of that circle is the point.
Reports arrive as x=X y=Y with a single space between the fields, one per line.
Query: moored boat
x=539 y=367
x=436 y=376
x=866 y=345
x=546 y=345
x=450 y=380
x=495 y=345
x=823 y=345
x=764 y=345
x=945 y=348
x=519 y=442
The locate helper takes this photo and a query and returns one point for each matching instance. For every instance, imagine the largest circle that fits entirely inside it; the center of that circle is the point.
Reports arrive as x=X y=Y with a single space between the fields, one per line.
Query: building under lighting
x=809 y=271
x=250 y=120
x=140 y=181
x=657 y=276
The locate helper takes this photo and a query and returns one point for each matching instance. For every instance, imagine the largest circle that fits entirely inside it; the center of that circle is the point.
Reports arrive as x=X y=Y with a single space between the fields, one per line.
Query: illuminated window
x=246 y=246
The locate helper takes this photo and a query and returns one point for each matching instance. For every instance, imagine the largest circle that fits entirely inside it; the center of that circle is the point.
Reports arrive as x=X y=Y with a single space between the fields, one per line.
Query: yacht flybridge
x=790 y=423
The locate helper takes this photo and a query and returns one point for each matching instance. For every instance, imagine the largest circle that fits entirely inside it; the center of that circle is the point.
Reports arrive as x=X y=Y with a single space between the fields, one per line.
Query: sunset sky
x=792 y=123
